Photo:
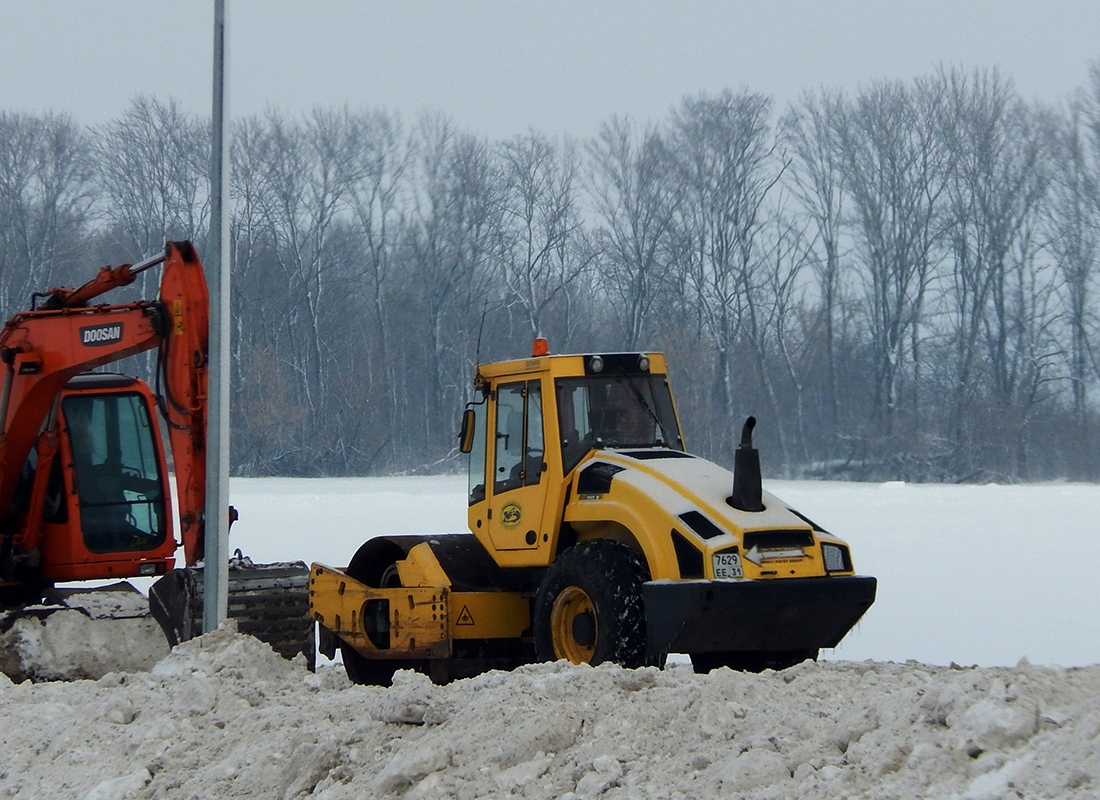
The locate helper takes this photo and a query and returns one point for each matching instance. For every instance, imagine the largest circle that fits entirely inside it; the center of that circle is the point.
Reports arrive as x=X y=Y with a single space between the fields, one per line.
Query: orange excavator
x=85 y=489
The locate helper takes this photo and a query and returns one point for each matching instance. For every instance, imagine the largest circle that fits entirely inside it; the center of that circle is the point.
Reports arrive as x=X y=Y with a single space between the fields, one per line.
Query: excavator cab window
x=55 y=509
x=118 y=484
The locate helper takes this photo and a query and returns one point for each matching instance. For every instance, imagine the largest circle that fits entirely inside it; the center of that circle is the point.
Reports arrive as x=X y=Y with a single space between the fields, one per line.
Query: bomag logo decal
x=510 y=515
x=101 y=335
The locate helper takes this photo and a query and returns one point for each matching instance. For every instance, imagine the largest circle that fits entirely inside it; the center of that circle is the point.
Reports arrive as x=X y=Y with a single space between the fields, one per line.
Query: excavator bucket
x=268 y=601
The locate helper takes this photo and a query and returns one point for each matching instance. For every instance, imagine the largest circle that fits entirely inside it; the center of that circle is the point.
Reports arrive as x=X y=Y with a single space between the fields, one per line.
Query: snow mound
x=68 y=644
x=228 y=655
x=223 y=716
x=99 y=604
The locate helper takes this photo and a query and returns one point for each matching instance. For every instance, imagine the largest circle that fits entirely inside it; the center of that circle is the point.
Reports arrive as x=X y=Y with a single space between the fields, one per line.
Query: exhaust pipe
x=748 y=493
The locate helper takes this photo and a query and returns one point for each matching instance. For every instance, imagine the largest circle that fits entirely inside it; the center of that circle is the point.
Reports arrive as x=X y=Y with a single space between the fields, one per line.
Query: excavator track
x=268 y=601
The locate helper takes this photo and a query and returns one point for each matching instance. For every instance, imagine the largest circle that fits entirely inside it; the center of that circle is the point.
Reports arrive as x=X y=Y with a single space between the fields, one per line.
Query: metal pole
x=216 y=555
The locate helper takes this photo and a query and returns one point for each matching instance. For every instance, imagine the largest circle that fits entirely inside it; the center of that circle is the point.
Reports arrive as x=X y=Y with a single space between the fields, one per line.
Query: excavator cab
x=119 y=483
x=103 y=496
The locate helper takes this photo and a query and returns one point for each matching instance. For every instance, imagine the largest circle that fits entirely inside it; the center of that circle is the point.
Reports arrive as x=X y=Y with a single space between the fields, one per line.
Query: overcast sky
x=500 y=67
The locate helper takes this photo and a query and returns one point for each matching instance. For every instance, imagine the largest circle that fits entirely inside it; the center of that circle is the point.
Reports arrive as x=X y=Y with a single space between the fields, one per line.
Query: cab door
x=517 y=493
x=107 y=508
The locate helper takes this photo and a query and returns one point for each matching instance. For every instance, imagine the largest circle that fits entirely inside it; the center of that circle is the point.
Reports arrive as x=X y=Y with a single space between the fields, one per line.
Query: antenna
x=477 y=353
x=480 y=328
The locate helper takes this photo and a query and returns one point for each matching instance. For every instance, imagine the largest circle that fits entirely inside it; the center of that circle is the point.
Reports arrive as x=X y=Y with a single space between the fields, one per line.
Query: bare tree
x=1024 y=352
x=152 y=165
x=539 y=226
x=378 y=211
x=1079 y=211
x=768 y=324
x=386 y=158
x=810 y=132
x=894 y=167
x=998 y=177
x=636 y=198
x=725 y=160
x=268 y=416
x=45 y=193
x=313 y=164
x=453 y=238
x=1076 y=248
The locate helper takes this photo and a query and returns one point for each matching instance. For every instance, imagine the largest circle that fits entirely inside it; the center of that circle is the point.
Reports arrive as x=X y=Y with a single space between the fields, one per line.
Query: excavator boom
x=183 y=295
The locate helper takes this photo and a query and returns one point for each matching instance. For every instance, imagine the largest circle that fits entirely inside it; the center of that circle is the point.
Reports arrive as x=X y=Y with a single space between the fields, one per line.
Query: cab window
x=477 y=457
x=118 y=484
x=519 y=437
x=615 y=411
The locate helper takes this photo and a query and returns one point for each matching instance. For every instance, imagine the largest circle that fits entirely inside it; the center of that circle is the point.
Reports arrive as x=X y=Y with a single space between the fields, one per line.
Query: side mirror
x=466 y=435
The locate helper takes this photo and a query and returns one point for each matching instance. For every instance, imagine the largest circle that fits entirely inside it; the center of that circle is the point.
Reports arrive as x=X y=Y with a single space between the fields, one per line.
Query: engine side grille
x=648 y=455
x=701 y=524
x=596 y=479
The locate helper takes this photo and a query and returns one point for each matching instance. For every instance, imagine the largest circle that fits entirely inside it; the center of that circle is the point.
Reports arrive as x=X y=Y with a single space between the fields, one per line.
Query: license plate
x=727 y=565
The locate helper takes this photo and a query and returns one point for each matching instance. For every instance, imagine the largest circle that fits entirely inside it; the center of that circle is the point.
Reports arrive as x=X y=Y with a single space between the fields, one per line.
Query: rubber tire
x=751 y=661
x=359 y=668
x=611 y=574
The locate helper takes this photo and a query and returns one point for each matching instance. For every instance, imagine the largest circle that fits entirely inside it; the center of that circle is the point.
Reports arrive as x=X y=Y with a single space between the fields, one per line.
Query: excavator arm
x=184 y=372
x=42 y=349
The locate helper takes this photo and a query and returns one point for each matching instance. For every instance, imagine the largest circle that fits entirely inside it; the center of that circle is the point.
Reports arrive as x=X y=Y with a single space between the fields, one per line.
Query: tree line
x=899 y=282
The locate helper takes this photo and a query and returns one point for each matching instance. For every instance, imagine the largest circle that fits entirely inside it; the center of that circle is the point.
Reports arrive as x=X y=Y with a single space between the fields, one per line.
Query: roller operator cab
x=596 y=537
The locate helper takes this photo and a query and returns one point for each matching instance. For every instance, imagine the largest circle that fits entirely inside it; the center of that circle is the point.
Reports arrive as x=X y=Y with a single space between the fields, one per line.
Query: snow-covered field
x=981 y=576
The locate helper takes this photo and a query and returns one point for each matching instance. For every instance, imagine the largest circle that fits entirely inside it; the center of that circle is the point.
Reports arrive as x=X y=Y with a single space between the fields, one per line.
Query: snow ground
x=972 y=575
x=223 y=716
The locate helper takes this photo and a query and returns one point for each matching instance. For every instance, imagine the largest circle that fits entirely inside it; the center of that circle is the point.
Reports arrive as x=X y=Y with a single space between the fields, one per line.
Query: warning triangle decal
x=465 y=617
